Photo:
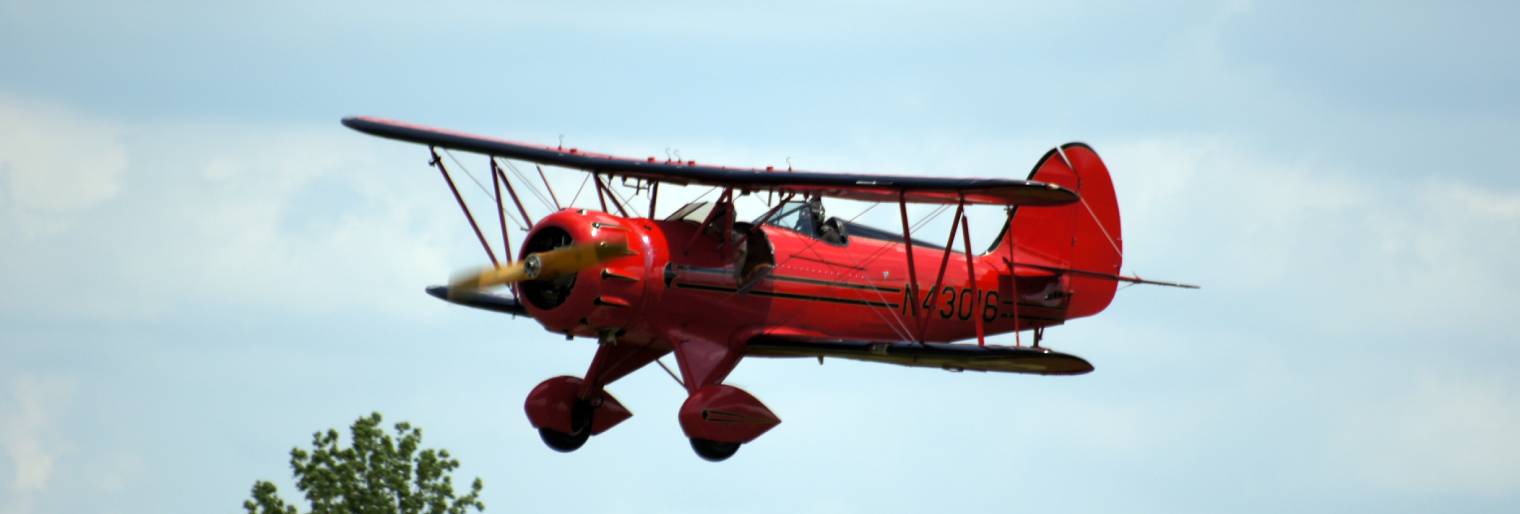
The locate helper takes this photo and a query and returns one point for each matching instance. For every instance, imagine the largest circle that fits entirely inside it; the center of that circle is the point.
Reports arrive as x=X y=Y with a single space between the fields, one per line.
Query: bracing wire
x=580 y=189
x=704 y=194
x=531 y=188
x=523 y=224
x=623 y=199
x=672 y=374
x=1101 y=228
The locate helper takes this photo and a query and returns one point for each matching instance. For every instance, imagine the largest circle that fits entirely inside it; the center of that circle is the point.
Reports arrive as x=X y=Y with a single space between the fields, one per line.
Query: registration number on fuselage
x=953 y=302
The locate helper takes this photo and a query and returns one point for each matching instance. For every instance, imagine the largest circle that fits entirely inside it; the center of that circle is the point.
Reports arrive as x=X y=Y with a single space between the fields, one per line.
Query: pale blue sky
x=204 y=267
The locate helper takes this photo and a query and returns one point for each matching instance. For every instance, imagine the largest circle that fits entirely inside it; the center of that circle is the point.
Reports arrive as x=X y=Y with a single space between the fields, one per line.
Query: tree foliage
x=377 y=474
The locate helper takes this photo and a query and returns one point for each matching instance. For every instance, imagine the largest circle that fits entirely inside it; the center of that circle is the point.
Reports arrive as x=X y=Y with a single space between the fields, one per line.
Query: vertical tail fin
x=1081 y=236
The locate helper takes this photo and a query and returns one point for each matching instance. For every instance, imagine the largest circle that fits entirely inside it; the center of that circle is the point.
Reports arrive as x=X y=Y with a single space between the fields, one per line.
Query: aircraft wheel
x=713 y=451
x=580 y=420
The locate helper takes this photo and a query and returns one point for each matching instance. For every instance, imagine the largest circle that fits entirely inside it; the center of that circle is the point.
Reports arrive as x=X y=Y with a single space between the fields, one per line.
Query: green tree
x=378 y=474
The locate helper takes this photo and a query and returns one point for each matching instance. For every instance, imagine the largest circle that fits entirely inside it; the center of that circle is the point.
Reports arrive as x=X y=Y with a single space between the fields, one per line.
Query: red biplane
x=792 y=283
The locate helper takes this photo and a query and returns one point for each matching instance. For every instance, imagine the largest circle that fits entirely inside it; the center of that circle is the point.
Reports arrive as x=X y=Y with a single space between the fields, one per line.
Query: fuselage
x=695 y=281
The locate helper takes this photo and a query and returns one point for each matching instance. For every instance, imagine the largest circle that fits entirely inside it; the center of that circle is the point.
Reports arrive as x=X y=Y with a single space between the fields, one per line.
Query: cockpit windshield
x=807 y=218
x=694 y=212
x=797 y=216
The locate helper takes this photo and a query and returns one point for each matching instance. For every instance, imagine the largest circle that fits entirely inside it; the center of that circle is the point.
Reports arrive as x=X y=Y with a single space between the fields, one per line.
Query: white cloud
x=1350 y=254
x=55 y=163
x=1436 y=433
x=1339 y=264
x=28 y=436
x=314 y=219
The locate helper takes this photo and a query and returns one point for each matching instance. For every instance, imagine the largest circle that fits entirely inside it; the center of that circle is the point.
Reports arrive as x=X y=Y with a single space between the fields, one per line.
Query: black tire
x=562 y=442
x=713 y=451
x=580 y=423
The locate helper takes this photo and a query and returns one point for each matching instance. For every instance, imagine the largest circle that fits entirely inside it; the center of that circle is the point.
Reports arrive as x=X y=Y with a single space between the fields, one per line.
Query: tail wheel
x=713 y=451
x=580 y=423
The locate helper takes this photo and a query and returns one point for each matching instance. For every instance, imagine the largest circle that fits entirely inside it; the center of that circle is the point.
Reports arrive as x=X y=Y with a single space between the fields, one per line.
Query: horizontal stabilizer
x=479 y=300
x=1109 y=276
x=954 y=357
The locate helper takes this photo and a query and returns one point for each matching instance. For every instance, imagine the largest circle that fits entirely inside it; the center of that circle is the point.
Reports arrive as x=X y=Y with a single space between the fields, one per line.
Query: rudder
x=1080 y=236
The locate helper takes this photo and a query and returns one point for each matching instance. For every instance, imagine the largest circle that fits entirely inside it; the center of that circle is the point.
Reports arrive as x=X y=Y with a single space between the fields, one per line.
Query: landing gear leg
x=717 y=418
x=568 y=410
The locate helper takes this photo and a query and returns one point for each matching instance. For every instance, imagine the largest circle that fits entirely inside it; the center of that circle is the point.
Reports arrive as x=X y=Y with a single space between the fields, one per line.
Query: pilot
x=829 y=230
x=815 y=210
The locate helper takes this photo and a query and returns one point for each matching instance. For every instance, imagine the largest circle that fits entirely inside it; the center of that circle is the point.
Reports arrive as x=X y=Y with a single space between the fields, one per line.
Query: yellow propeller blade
x=572 y=259
x=544 y=265
x=489 y=277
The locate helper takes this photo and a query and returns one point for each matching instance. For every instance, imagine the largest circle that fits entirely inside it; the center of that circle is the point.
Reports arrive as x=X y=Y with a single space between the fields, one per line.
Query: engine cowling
x=607 y=297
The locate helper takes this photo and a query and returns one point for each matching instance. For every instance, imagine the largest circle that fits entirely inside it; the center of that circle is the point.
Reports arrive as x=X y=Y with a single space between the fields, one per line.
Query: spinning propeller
x=545 y=265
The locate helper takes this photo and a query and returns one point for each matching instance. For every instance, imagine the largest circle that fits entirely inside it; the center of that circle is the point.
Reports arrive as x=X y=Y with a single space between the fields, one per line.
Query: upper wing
x=871 y=188
x=956 y=357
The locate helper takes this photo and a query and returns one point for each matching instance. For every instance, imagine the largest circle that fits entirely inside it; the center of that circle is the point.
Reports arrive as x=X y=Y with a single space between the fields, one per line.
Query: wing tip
x=361 y=122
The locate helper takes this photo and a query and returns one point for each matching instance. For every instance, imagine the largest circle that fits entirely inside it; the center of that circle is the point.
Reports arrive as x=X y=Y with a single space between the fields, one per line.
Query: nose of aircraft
x=581 y=272
x=545 y=265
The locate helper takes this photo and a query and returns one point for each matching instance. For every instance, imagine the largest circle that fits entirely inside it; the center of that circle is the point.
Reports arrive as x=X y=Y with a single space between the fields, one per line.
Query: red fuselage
x=686 y=286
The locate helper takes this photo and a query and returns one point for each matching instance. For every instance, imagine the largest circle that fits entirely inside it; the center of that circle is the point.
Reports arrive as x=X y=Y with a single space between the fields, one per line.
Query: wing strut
x=654 y=196
x=1013 y=280
x=944 y=262
x=513 y=191
x=600 y=196
x=976 y=294
x=606 y=189
x=471 y=217
x=722 y=203
x=902 y=208
x=547 y=186
x=501 y=210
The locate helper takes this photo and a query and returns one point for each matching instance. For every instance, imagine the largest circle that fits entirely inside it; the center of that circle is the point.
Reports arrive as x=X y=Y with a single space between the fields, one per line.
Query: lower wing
x=479 y=300
x=954 y=357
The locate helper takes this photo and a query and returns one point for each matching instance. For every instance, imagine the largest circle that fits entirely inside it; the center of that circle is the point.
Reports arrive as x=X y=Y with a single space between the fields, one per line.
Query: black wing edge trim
x=953 y=357
x=1035 y=193
x=482 y=301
